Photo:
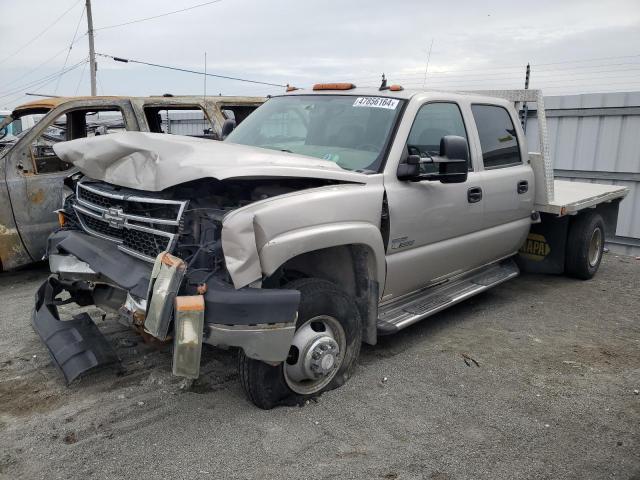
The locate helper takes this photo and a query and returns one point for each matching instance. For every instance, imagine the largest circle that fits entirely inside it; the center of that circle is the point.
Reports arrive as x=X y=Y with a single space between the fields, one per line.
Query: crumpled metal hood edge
x=155 y=161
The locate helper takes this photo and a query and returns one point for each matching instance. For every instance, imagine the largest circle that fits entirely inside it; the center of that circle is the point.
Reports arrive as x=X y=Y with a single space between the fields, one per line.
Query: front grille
x=140 y=206
x=141 y=225
x=98 y=226
x=145 y=243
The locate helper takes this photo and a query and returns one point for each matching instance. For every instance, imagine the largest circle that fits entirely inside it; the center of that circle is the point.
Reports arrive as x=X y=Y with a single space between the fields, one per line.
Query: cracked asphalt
x=534 y=379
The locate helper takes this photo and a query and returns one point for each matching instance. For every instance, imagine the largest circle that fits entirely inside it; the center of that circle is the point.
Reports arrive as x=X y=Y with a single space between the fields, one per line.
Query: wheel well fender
x=356 y=264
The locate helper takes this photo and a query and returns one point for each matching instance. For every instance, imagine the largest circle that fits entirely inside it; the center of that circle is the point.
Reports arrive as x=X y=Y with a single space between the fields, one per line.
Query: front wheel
x=323 y=352
x=585 y=245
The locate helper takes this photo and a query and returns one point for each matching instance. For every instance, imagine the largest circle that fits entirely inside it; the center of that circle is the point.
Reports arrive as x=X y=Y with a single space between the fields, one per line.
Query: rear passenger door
x=507 y=179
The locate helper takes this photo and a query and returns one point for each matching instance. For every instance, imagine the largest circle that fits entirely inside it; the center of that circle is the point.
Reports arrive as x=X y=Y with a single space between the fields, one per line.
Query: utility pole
x=93 y=66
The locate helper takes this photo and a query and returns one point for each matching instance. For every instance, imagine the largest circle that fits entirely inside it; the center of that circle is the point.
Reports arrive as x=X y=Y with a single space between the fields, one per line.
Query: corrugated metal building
x=595 y=137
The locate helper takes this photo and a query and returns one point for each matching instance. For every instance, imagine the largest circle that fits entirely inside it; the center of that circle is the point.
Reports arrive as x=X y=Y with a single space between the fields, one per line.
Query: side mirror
x=227 y=127
x=453 y=161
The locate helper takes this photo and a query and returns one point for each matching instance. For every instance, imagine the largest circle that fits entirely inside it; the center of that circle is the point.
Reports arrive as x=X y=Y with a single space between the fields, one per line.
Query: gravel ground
x=551 y=396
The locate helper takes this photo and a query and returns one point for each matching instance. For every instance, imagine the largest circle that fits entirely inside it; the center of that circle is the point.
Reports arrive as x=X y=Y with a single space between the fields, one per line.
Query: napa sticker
x=377 y=102
x=535 y=247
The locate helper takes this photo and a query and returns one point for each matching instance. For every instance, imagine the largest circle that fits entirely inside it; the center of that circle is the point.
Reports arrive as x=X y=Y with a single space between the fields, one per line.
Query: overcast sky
x=573 y=46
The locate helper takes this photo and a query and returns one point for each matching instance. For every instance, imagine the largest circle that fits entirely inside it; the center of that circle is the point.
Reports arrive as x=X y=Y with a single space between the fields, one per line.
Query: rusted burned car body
x=31 y=175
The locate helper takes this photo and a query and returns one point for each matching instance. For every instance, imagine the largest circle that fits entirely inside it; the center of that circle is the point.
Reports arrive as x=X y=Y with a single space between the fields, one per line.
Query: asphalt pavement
x=537 y=379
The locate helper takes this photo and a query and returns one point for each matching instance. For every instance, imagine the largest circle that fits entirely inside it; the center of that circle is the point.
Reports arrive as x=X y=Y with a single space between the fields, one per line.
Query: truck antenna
x=426 y=68
x=383 y=85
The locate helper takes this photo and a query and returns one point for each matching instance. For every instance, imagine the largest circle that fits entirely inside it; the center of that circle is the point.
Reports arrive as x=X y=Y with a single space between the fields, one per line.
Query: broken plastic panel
x=187 y=342
x=166 y=278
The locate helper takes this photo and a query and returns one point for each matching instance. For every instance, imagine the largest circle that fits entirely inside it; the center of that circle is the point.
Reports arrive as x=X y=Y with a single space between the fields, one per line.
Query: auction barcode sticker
x=376 y=102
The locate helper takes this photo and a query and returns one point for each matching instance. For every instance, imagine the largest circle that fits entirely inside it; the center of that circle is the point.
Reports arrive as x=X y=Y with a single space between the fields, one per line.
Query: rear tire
x=585 y=245
x=323 y=305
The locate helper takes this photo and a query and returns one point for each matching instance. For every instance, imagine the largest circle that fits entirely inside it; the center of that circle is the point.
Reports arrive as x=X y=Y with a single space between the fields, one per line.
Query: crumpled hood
x=155 y=161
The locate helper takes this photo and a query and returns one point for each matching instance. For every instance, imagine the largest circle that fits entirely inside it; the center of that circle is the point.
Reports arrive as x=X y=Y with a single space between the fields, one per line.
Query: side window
x=179 y=120
x=238 y=112
x=434 y=121
x=69 y=126
x=43 y=158
x=497 y=136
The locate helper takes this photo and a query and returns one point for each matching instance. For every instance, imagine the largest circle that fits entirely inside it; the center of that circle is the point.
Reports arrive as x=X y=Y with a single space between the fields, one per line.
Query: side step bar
x=399 y=314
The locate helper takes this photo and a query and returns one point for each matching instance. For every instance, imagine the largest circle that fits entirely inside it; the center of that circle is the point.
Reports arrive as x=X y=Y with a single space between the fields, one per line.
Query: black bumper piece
x=104 y=258
x=75 y=346
x=224 y=305
x=248 y=306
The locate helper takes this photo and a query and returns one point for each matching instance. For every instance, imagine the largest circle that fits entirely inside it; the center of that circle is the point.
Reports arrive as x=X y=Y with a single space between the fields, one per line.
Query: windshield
x=350 y=131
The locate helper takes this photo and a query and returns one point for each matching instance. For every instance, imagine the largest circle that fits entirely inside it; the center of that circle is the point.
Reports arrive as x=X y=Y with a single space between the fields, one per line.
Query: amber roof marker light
x=334 y=86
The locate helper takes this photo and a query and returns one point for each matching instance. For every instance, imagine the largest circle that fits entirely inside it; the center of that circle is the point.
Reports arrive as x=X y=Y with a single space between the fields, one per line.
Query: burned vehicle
x=31 y=173
x=324 y=220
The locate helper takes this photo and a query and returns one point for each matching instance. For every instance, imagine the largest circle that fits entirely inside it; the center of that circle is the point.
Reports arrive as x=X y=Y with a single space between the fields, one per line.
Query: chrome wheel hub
x=315 y=356
x=323 y=357
x=595 y=247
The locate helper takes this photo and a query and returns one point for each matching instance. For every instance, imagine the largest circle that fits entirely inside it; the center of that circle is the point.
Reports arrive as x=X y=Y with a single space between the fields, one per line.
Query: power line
x=41 y=83
x=225 y=77
x=75 y=33
x=33 y=69
x=586 y=60
x=43 y=80
x=100 y=83
x=157 y=16
x=41 y=33
x=80 y=80
x=497 y=68
x=565 y=77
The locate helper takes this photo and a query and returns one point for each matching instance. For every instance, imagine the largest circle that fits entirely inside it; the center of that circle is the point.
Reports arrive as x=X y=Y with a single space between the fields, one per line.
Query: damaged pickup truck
x=31 y=174
x=325 y=219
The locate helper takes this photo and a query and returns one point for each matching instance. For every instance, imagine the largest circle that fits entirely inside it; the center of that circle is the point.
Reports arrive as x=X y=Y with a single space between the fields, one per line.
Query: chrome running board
x=401 y=313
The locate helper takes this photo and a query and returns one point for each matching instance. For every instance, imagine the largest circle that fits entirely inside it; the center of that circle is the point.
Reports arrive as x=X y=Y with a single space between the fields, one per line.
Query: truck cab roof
x=404 y=94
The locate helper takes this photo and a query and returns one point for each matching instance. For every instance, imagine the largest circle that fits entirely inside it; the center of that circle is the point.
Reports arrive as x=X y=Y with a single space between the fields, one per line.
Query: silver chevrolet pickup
x=327 y=218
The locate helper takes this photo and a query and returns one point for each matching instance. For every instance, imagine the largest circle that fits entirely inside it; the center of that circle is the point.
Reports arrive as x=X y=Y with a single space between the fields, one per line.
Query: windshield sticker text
x=376 y=102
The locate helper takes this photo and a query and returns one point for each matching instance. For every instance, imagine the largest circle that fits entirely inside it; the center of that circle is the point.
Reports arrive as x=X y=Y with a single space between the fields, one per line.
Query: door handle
x=523 y=186
x=474 y=195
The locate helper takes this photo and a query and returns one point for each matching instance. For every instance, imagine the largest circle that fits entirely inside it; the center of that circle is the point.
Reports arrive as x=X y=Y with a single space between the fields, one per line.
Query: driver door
x=431 y=224
x=35 y=174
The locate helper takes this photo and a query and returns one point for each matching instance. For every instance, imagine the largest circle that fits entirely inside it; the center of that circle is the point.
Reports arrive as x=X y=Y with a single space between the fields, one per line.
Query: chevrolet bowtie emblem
x=115 y=217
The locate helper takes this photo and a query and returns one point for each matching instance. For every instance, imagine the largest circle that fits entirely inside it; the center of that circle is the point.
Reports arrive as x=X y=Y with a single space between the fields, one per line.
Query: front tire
x=585 y=245
x=323 y=354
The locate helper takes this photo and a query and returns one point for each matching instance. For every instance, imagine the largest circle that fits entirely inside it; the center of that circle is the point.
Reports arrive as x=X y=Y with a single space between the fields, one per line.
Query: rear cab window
x=498 y=137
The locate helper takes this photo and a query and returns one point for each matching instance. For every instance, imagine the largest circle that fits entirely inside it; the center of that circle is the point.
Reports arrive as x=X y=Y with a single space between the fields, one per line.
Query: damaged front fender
x=260 y=237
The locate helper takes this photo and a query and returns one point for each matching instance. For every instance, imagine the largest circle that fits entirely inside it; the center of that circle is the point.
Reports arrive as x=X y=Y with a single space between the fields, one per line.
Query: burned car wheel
x=323 y=353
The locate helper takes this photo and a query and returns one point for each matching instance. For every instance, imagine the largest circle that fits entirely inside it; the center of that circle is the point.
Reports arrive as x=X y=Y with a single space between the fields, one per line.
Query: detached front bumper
x=260 y=321
x=75 y=345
